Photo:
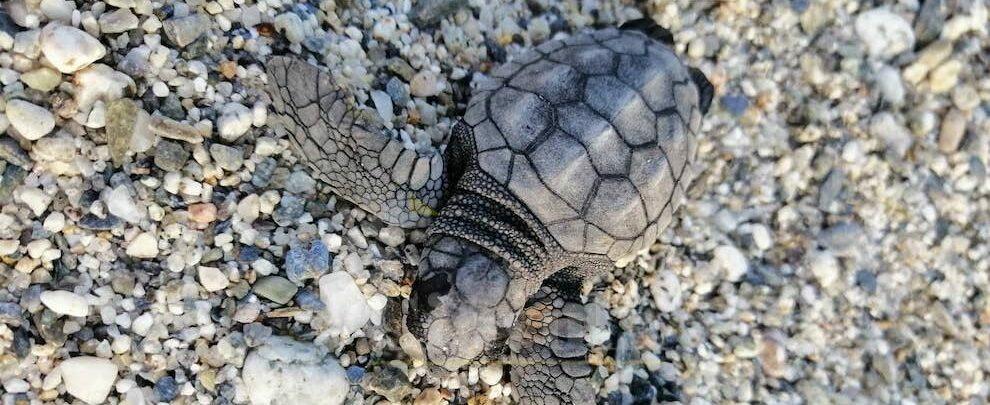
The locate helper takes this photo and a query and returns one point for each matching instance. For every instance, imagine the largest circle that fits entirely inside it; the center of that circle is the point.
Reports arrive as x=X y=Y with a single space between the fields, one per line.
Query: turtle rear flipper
x=547 y=350
x=348 y=148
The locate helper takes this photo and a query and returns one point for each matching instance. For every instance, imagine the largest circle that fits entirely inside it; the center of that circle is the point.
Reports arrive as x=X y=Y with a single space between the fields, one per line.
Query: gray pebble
x=289 y=209
x=13 y=153
x=430 y=12
x=929 y=22
x=276 y=289
x=170 y=156
x=95 y=223
x=397 y=90
x=227 y=157
x=184 y=30
x=263 y=172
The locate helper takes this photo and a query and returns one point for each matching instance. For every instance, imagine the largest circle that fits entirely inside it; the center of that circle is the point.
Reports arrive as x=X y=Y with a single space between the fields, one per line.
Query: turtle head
x=462 y=306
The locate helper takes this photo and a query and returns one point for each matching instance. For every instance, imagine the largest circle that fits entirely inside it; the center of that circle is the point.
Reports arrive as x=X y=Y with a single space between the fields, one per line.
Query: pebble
x=96 y=223
x=88 y=378
x=347 y=308
x=392 y=236
x=234 y=121
x=304 y=262
x=31 y=121
x=429 y=12
x=43 y=79
x=118 y=21
x=69 y=49
x=65 y=303
x=309 y=301
x=884 y=33
x=825 y=267
x=491 y=373
x=383 y=104
x=897 y=138
x=212 y=279
x=276 y=289
x=730 y=260
x=290 y=208
x=12 y=153
x=952 y=132
x=390 y=382
x=202 y=213
x=143 y=246
x=183 y=31
x=172 y=129
x=166 y=389
x=170 y=156
x=120 y=203
x=122 y=115
x=424 y=84
x=736 y=104
x=285 y=371
x=36 y=199
x=945 y=77
x=890 y=85
x=929 y=22
x=227 y=157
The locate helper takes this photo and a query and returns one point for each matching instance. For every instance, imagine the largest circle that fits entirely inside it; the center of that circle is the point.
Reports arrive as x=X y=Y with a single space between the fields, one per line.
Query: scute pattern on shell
x=594 y=134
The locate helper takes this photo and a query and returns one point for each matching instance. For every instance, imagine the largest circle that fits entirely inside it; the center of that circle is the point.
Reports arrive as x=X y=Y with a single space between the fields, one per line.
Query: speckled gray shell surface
x=595 y=134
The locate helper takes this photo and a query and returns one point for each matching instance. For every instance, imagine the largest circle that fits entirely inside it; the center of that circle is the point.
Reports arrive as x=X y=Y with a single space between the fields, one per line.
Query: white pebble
x=65 y=302
x=347 y=309
x=234 y=121
x=69 y=49
x=285 y=371
x=731 y=260
x=825 y=267
x=212 y=278
x=143 y=246
x=31 y=121
x=120 y=203
x=36 y=199
x=88 y=378
x=885 y=33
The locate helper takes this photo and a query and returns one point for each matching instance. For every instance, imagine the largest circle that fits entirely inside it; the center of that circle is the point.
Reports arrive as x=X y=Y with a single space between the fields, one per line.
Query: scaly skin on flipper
x=573 y=156
x=348 y=149
x=548 y=354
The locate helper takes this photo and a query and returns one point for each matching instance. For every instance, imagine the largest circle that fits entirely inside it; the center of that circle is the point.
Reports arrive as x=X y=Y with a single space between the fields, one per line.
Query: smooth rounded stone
x=43 y=79
x=212 y=279
x=170 y=156
x=929 y=21
x=304 y=262
x=347 y=308
x=735 y=104
x=120 y=203
x=235 y=120
x=890 y=85
x=183 y=31
x=88 y=378
x=730 y=260
x=122 y=115
x=928 y=59
x=16 y=386
x=202 y=213
x=284 y=372
x=884 y=33
x=952 y=132
x=424 y=84
x=897 y=138
x=31 y=121
x=945 y=77
x=276 y=289
x=383 y=104
x=69 y=49
x=58 y=10
x=11 y=152
x=429 y=12
x=227 y=157
x=143 y=246
x=292 y=26
x=36 y=199
x=491 y=373
x=825 y=268
x=118 y=21
x=761 y=236
x=65 y=303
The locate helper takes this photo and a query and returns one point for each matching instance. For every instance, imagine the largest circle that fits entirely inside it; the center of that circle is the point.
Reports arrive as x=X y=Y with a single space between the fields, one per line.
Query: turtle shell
x=594 y=134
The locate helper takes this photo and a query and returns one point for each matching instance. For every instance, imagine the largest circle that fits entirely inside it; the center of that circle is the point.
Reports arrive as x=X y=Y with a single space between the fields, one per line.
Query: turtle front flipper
x=348 y=148
x=547 y=350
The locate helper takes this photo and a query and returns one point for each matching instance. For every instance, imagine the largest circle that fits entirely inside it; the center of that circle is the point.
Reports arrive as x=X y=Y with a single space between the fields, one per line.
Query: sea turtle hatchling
x=569 y=158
